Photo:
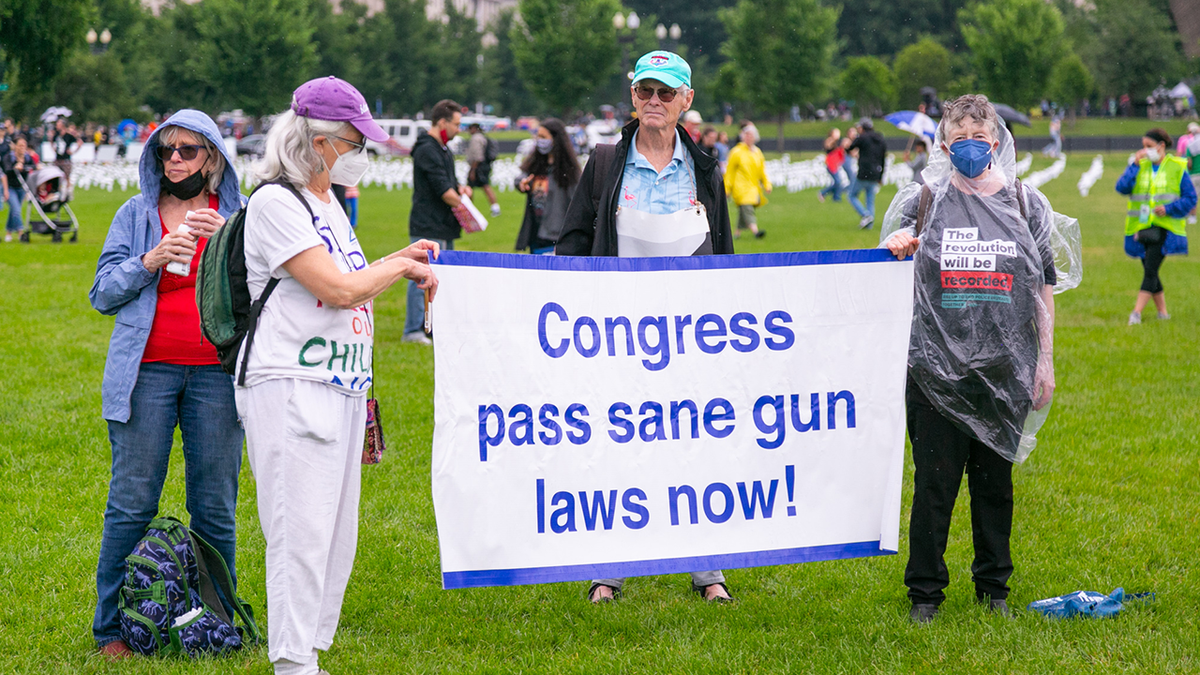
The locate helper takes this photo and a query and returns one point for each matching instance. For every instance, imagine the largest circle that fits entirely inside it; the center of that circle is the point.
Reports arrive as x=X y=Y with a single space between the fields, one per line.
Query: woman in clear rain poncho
x=980 y=358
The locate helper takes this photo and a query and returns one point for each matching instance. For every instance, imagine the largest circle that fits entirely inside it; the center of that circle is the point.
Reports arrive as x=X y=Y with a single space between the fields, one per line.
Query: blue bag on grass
x=169 y=603
x=1086 y=604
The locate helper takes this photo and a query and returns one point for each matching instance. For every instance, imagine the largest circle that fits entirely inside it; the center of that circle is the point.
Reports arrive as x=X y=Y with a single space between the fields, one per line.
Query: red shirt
x=175 y=336
x=835 y=158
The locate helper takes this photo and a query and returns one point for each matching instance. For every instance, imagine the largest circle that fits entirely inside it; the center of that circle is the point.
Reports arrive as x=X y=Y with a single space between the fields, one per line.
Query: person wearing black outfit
x=549 y=176
x=980 y=358
x=436 y=193
x=872 y=151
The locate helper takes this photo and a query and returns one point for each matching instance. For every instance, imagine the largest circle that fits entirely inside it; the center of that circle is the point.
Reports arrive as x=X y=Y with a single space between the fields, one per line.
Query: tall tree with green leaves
x=870 y=84
x=500 y=82
x=247 y=54
x=457 y=64
x=399 y=53
x=1014 y=45
x=884 y=27
x=925 y=63
x=38 y=37
x=564 y=49
x=1070 y=83
x=781 y=53
x=1137 y=48
x=338 y=37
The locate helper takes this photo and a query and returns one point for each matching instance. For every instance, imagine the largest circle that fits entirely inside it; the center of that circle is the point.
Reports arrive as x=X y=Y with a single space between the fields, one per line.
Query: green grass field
x=1108 y=499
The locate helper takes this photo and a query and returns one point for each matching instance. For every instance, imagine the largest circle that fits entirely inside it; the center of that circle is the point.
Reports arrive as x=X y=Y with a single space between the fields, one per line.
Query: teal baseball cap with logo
x=666 y=67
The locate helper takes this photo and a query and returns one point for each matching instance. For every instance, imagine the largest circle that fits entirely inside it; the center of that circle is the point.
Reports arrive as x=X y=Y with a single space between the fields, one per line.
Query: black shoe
x=999 y=607
x=922 y=613
x=760 y=234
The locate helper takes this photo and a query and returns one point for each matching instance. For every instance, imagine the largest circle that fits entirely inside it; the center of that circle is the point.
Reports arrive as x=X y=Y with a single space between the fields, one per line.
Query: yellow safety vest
x=1154 y=189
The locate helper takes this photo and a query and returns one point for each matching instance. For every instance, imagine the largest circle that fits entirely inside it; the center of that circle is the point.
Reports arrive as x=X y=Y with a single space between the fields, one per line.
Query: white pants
x=304 y=441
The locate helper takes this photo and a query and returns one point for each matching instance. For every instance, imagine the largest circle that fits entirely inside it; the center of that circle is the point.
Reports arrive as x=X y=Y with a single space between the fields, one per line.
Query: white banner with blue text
x=613 y=417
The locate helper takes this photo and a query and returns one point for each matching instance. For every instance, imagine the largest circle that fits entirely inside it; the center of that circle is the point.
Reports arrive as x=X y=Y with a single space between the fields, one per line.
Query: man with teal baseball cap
x=654 y=193
x=666 y=67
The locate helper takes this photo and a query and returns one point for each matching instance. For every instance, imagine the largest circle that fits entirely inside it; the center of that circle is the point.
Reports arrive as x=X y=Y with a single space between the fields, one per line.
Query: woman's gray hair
x=975 y=106
x=290 y=155
x=216 y=159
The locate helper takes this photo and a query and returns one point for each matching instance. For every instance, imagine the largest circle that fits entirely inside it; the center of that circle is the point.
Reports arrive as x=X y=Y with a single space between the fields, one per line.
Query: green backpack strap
x=214 y=573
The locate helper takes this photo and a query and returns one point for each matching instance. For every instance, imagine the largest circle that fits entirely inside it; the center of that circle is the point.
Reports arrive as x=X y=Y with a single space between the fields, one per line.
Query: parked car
x=254 y=144
x=486 y=122
x=403 y=135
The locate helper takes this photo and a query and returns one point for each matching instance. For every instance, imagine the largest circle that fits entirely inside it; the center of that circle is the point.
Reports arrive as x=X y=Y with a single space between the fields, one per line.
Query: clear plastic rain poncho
x=982 y=338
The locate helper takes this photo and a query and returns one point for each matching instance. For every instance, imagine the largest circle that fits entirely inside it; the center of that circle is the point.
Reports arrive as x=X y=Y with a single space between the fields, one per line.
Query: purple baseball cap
x=328 y=98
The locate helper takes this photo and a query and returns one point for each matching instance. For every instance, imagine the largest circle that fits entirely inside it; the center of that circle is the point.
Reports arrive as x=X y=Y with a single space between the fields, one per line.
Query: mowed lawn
x=1110 y=498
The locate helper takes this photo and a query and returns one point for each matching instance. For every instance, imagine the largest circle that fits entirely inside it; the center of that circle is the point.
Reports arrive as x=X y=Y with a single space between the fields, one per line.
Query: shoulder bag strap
x=923 y=208
x=257 y=306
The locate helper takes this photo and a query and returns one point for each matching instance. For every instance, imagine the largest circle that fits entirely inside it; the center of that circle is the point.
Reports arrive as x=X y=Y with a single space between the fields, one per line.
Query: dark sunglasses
x=665 y=95
x=186 y=152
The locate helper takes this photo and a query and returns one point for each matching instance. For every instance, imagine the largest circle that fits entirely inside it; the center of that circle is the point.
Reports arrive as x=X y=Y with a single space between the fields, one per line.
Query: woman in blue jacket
x=160 y=372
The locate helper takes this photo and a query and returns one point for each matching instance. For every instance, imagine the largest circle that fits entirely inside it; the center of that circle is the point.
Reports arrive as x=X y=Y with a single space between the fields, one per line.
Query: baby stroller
x=48 y=200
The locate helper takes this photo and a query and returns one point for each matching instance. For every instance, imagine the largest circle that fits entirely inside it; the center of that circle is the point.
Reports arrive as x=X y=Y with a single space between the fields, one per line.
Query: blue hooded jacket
x=123 y=286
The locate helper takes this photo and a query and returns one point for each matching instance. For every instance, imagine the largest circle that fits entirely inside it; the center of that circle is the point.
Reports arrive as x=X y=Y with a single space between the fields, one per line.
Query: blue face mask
x=970 y=157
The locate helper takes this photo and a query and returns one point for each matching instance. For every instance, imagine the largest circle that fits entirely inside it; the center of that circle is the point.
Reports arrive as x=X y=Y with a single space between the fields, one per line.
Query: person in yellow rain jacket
x=746 y=180
x=1160 y=196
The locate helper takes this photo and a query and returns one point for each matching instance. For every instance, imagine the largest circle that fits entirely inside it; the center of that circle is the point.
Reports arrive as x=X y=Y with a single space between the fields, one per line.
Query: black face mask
x=185 y=189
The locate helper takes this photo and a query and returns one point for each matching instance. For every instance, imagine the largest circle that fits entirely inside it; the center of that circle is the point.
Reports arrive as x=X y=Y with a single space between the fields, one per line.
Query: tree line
x=563 y=56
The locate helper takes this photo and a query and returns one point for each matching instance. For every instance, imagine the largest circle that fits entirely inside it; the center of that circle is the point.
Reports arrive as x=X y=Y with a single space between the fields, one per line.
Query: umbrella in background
x=1008 y=114
x=913 y=122
x=54 y=112
x=1181 y=90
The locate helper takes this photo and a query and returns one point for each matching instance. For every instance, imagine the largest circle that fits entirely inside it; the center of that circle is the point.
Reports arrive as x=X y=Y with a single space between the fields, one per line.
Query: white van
x=403 y=135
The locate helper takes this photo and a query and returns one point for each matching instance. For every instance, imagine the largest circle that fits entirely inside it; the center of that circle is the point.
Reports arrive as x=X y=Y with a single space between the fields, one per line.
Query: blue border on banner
x=524 y=261
x=638 y=568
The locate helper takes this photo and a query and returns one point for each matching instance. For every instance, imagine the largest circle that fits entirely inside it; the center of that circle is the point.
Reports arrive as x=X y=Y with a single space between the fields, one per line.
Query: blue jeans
x=15 y=195
x=199 y=399
x=871 y=188
x=835 y=189
x=414 y=317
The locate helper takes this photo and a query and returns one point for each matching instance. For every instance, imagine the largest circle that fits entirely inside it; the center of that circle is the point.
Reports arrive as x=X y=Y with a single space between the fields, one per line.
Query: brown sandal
x=719 y=600
x=591 y=594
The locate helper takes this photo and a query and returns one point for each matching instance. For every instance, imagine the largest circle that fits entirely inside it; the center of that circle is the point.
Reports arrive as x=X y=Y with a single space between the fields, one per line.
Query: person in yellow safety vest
x=744 y=176
x=1160 y=196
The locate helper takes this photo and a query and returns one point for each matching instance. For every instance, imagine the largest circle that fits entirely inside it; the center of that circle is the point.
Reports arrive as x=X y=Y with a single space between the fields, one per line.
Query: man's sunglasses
x=665 y=95
x=186 y=152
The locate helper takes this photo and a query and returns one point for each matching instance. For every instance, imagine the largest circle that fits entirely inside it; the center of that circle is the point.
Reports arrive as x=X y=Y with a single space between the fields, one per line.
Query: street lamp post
x=662 y=33
x=103 y=39
x=626 y=37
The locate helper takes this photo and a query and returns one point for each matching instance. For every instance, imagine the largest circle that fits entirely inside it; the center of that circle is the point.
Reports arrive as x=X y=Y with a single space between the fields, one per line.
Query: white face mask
x=1152 y=155
x=349 y=168
x=545 y=145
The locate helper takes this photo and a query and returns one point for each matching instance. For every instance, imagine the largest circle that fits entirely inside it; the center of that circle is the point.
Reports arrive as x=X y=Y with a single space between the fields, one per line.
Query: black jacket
x=872 y=152
x=589 y=233
x=433 y=174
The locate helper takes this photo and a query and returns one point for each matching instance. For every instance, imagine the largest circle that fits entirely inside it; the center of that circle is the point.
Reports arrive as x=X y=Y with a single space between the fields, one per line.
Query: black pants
x=941 y=452
x=1150 y=264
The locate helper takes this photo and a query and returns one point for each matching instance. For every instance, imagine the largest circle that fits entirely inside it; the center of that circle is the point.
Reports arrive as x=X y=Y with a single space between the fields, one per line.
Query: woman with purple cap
x=303 y=402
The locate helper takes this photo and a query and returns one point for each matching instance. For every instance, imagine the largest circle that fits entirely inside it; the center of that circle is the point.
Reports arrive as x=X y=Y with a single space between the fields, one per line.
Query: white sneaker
x=1135 y=318
x=495 y=210
x=1191 y=220
x=1163 y=316
x=8 y=238
x=416 y=338
x=866 y=222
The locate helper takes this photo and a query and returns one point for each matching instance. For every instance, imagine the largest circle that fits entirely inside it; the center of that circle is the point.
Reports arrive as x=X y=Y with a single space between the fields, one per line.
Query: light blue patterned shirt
x=645 y=189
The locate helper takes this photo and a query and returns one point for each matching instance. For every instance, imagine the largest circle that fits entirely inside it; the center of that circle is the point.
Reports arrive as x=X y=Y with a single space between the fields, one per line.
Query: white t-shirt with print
x=298 y=336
